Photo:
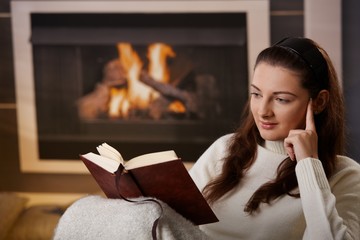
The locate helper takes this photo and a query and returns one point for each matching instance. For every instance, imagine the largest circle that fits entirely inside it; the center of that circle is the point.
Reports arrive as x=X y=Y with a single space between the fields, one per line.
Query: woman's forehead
x=266 y=75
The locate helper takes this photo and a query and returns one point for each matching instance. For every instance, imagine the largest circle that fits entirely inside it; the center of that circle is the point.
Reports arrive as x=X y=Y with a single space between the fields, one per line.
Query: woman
x=281 y=175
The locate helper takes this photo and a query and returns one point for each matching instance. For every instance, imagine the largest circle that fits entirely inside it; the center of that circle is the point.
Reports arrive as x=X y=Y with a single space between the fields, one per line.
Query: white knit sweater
x=326 y=210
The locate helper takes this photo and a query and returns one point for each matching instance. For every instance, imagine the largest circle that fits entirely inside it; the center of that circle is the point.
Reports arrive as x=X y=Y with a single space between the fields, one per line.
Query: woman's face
x=278 y=101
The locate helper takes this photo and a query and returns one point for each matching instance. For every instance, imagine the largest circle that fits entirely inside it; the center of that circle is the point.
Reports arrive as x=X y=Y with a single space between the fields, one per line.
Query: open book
x=161 y=175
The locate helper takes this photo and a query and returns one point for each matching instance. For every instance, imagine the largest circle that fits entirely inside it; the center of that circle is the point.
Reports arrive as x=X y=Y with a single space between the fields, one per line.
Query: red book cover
x=167 y=181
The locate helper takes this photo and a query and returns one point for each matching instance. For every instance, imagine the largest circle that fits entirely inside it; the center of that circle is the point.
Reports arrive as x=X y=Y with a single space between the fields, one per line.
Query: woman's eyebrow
x=275 y=93
x=285 y=92
x=252 y=85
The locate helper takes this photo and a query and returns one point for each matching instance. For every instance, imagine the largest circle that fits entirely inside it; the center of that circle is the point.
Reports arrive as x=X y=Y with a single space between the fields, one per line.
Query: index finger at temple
x=310 y=124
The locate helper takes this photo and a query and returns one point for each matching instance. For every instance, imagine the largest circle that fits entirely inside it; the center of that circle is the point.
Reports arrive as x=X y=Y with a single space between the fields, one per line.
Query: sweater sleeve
x=331 y=208
x=210 y=162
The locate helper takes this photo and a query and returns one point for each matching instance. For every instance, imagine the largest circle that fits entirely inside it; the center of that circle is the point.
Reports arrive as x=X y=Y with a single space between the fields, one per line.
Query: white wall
x=322 y=23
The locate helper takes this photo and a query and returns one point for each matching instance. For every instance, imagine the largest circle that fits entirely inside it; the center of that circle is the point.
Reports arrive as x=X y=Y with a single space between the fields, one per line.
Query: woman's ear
x=320 y=102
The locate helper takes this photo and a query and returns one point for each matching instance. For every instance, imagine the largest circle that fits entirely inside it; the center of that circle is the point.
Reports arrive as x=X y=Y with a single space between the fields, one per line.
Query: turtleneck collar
x=275 y=146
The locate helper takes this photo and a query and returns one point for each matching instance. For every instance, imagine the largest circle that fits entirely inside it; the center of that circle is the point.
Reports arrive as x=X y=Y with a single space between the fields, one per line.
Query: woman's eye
x=255 y=94
x=282 y=100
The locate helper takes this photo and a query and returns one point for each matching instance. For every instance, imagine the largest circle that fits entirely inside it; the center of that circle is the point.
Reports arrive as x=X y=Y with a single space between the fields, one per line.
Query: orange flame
x=138 y=95
x=119 y=104
x=157 y=55
x=177 y=107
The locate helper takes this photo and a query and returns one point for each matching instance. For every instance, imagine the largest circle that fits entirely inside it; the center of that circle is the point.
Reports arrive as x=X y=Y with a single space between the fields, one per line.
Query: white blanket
x=96 y=217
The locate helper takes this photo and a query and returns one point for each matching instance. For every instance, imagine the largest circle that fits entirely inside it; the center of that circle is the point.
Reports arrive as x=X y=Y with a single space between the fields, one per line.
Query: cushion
x=11 y=206
x=36 y=222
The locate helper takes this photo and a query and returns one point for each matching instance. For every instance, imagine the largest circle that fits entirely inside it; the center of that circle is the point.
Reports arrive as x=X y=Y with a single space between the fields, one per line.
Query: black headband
x=308 y=52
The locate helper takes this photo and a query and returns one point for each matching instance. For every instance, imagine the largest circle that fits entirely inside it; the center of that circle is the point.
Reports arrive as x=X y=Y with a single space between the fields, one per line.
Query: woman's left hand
x=301 y=144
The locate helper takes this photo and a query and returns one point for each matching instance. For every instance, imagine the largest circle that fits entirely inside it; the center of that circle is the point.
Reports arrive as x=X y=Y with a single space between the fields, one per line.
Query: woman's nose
x=265 y=108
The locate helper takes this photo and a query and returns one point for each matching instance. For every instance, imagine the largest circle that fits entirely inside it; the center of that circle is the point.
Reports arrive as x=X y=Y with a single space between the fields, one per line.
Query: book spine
x=126 y=184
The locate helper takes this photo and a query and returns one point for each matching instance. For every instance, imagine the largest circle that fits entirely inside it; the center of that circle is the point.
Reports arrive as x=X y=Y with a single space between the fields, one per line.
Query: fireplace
x=142 y=82
x=142 y=77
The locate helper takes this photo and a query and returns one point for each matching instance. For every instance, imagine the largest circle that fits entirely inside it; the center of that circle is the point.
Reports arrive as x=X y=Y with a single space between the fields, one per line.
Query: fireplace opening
x=141 y=82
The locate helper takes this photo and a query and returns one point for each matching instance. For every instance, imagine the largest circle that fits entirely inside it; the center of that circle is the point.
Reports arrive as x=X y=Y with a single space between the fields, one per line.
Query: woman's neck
x=275 y=146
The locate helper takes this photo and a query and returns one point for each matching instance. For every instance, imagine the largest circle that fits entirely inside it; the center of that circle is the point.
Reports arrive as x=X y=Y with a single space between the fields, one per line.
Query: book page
x=108 y=164
x=150 y=159
x=108 y=151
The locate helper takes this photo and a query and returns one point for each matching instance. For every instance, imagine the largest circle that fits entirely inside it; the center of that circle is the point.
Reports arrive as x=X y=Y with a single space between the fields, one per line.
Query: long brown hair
x=243 y=146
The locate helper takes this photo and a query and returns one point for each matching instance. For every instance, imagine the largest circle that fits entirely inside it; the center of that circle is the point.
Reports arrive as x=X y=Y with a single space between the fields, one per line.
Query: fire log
x=95 y=103
x=114 y=74
x=171 y=92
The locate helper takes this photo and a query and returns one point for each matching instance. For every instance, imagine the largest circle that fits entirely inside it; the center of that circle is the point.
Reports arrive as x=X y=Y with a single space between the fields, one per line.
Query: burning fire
x=138 y=95
x=158 y=53
x=118 y=98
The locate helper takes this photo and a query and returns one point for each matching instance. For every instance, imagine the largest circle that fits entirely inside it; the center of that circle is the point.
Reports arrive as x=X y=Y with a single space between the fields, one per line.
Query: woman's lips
x=267 y=125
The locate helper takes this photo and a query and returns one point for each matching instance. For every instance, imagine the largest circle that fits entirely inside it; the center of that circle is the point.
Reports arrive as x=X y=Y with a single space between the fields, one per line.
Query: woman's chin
x=270 y=137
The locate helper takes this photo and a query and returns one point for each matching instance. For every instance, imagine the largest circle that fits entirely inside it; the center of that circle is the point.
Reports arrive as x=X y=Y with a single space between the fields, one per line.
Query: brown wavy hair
x=243 y=145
